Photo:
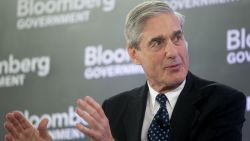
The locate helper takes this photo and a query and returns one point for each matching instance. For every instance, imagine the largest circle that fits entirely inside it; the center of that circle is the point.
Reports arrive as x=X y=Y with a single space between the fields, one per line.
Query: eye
x=177 y=38
x=156 y=43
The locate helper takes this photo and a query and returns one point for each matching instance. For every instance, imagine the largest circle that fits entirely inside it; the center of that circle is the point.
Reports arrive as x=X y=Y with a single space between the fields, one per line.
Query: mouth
x=173 y=67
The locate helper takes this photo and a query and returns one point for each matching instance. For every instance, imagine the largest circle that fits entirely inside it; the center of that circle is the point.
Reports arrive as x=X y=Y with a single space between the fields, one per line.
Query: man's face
x=162 y=52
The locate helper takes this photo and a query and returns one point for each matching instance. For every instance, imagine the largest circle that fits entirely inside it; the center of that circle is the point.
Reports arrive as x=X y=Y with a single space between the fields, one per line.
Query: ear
x=134 y=55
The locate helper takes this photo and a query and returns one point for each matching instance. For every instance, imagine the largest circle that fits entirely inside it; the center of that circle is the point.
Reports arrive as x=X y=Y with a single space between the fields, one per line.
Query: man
x=174 y=104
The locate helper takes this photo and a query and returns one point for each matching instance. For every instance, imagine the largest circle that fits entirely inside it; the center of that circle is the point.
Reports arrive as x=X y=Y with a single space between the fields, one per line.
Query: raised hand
x=98 y=125
x=19 y=129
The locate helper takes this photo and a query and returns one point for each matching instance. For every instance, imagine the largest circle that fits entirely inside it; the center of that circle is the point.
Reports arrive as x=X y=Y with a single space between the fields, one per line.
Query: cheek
x=152 y=65
x=157 y=62
x=153 y=62
x=184 y=57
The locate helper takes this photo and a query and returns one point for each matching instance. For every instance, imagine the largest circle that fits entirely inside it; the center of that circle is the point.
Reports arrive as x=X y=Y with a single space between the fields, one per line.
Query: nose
x=171 y=50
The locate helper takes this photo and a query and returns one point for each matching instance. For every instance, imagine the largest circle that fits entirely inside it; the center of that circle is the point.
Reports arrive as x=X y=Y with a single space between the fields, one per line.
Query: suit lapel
x=185 y=112
x=134 y=116
x=184 y=115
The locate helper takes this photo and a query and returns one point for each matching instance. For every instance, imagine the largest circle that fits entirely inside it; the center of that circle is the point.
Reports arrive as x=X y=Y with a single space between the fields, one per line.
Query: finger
x=42 y=128
x=95 y=105
x=82 y=104
x=11 y=118
x=92 y=123
x=22 y=120
x=88 y=132
x=9 y=137
x=11 y=129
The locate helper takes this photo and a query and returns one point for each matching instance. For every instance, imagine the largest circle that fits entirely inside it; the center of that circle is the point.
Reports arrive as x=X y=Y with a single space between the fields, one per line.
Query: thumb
x=42 y=128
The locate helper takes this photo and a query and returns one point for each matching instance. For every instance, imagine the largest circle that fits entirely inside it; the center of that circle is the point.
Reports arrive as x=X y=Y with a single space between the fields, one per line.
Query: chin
x=178 y=78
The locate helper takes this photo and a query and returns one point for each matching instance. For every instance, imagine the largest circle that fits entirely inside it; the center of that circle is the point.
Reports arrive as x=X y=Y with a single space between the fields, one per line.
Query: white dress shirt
x=153 y=106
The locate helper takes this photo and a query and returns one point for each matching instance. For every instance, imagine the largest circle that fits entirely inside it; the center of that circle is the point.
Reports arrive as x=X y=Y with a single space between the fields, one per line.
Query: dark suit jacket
x=205 y=111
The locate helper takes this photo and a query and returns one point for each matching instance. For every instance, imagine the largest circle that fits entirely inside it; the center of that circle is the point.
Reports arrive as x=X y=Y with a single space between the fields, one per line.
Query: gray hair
x=137 y=17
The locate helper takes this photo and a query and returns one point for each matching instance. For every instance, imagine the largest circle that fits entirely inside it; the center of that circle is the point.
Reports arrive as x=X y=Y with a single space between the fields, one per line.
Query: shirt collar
x=171 y=95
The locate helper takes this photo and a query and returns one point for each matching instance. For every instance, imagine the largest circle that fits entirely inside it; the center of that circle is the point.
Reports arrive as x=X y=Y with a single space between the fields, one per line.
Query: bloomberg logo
x=238 y=46
x=41 y=13
x=107 y=63
x=189 y=4
x=13 y=71
x=61 y=125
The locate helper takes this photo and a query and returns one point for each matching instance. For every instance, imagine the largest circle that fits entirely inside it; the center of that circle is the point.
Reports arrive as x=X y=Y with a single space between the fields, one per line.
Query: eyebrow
x=161 y=37
x=176 y=33
x=157 y=38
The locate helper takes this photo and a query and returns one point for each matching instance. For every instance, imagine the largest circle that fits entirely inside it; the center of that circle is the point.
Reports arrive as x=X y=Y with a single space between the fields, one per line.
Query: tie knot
x=162 y=99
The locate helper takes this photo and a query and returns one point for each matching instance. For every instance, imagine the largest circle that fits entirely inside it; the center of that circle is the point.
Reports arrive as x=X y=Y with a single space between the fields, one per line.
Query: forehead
x=160 y=25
